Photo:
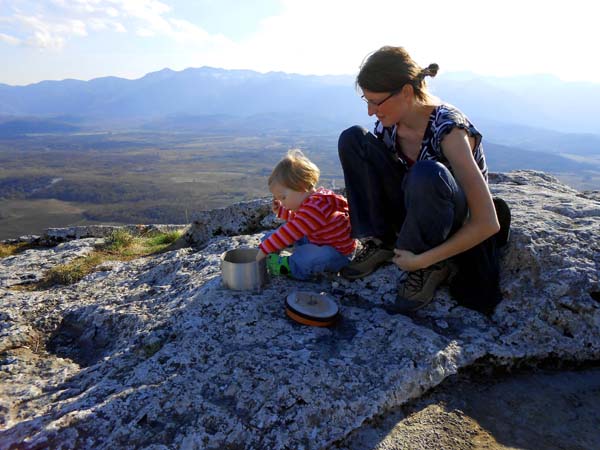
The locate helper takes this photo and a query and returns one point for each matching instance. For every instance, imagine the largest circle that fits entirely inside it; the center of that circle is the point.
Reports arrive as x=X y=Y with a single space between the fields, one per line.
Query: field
x=75 y=179
x=56 y=180
x=32 y=216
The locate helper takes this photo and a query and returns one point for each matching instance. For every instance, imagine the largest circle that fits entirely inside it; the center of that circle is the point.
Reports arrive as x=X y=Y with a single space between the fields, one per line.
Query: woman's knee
x=350 y=140
x=425 y=175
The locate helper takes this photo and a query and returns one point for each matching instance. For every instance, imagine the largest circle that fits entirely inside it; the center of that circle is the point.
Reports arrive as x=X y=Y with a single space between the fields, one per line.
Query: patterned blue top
x=442 y=120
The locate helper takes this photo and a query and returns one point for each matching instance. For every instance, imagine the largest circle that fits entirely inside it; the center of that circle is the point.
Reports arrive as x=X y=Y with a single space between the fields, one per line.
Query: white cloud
x=9 y=39
x=112 y=12
x=145 y=32
x=118 y=27
x=43 y=39
x=494 y=38
x=330 y=36
x=98 y=24
x=148 y=10
x=49 y=34
x=52 y=26
x=186 y=32
x=319 y=37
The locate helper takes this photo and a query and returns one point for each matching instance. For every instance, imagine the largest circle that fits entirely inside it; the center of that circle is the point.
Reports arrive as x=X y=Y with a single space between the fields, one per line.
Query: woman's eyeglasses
x=381 y=102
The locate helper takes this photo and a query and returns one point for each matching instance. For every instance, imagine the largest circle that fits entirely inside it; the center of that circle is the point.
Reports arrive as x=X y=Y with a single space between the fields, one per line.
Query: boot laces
x=415 y=280
x=368 y=248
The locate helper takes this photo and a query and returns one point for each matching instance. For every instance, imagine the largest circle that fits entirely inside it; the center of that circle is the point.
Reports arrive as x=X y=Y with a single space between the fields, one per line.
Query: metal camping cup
x=240 y=271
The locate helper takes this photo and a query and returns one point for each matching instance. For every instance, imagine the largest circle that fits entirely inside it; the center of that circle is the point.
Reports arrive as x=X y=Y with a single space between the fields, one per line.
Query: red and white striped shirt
x=322 y=217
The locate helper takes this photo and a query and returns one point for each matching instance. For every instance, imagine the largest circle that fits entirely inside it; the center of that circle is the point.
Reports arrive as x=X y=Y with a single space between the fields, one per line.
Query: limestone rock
x=30 y=266
x=56 y=235
x=156 y=354
x=237 y=219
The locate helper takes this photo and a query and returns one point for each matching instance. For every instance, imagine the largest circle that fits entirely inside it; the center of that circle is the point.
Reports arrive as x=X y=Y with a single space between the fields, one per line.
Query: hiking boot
x=371 y=256
x=417 y=289
x=278 y=265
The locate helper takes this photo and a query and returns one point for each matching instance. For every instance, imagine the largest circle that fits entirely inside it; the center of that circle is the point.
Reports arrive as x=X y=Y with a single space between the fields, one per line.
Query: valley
x=139 y=176
x=136 y=177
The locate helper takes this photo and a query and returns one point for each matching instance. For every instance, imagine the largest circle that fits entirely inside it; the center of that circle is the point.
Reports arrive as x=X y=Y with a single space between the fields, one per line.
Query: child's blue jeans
x=310 y=259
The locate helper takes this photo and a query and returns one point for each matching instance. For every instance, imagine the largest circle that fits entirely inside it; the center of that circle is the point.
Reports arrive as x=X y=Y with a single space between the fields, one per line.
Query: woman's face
x=388 y=107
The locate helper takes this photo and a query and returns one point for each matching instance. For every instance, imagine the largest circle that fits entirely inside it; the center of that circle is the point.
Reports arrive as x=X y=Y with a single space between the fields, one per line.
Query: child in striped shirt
x=317 y=222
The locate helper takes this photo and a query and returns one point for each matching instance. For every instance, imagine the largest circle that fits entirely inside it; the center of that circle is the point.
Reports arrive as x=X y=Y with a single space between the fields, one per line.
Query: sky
x=85 y=39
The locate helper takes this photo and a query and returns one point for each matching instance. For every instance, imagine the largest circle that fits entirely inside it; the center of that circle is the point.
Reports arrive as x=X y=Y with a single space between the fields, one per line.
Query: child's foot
x=278 y=265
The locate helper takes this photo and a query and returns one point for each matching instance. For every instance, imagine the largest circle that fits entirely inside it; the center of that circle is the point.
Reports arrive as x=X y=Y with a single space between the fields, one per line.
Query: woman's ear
x=407 y=91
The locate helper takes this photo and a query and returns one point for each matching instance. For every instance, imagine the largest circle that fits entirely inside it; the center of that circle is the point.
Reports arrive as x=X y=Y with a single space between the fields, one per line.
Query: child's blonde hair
x=295 y=171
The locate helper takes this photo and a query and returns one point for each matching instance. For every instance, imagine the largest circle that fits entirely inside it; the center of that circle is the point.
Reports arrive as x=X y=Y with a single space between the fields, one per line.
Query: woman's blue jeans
x=414 y=209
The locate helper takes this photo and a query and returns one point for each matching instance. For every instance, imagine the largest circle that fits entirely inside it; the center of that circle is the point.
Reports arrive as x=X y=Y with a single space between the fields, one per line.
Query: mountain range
x=208 y=93
x=537 y=122
x=191 y=92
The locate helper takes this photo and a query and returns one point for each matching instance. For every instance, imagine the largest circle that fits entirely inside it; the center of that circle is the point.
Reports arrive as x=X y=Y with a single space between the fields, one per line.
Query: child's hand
x=275 y=206
x=260 y=255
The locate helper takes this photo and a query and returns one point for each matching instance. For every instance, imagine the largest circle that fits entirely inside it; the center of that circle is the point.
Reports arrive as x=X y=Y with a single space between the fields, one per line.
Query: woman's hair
x=295 y=171
x=390 y=68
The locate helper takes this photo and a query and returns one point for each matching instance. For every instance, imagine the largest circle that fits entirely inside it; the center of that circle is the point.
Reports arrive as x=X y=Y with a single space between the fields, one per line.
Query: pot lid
x=312 y=305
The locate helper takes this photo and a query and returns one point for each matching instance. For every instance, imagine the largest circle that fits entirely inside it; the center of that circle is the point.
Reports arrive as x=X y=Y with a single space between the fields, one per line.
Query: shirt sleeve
x=449 y=119
x=385 y=134
x=307 y=219
x=285 y=214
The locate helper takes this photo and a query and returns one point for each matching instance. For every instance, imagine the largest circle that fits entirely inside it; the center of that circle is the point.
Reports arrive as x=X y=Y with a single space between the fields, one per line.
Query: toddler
x=317 y=222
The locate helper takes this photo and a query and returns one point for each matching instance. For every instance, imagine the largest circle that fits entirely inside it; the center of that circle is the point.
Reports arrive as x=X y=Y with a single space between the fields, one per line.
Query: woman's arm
x=482 y=221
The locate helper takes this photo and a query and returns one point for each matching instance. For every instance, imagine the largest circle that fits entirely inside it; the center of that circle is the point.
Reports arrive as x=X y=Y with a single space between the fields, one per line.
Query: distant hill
x=35 y=125
x=203 y=91
x=283 y=122
x=540 y=139
x=518 y=116
x=534 y=101
x=502 y=158
x=539 y=101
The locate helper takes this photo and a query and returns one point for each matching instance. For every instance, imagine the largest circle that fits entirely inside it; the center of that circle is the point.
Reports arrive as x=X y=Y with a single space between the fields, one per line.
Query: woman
x=417 y=188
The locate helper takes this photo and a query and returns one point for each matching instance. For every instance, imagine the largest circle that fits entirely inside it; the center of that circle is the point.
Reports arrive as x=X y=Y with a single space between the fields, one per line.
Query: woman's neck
x=416 y=120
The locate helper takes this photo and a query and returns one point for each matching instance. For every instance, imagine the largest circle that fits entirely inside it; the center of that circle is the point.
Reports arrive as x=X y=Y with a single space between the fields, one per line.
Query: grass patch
x=118 y=241
x=162 y=240
x=119 y=246
x=74 y=271
x=125 y=246
x=13 y=249
x=7 y=250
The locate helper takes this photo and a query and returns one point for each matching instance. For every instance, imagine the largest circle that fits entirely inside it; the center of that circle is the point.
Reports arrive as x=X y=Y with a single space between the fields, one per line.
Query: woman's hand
x=260 y=255
x=275 y=206
x=407 y=260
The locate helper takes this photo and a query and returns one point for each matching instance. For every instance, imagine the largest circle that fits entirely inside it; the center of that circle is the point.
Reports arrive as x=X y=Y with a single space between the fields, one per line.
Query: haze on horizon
x=85 y=39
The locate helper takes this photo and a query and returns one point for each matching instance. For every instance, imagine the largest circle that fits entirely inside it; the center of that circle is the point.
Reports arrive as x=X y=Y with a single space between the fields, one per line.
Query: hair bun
x=431 y=70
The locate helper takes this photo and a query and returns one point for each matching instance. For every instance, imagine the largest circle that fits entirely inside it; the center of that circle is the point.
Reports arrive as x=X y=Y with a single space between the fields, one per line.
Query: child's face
x=289 y=198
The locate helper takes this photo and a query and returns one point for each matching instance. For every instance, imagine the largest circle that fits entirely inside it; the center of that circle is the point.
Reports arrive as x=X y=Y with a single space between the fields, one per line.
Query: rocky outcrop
x=57 y=235
x=240 y=218
x=53 y=236
x=156 y=354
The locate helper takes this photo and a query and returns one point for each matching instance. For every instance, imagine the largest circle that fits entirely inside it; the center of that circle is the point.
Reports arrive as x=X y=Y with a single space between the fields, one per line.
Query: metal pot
x=240 y=271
